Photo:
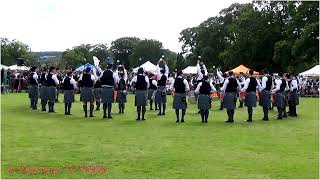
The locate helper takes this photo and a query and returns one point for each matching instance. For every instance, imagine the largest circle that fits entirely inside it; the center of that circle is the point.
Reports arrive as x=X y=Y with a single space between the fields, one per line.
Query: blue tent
x=83 y=67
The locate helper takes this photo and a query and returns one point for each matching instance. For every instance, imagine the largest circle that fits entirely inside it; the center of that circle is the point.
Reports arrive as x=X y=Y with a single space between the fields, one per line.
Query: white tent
x=148 y=67
x=19 y=68
x=190 y=70
x=315 y=71
x=3 y=67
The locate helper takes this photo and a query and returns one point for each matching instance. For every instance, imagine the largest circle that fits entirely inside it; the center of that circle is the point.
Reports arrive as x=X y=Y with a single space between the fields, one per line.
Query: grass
x=159 y=147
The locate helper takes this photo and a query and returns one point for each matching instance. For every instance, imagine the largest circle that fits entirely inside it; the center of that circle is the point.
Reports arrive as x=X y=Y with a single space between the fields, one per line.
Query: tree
x=122 y=48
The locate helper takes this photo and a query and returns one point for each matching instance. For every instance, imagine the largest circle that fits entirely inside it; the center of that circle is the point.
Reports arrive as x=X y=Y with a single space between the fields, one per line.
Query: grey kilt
x=180 y=101
x=251 y=99
x=150 y=93
x=68 y=96
x=86 y=94
x=294 y=98
x=161 y=95
x=43 y=92
x=107 y=95
x=279 y=99
x=204 y=101
x=141 y=98
x=229 y=100
x=33 y=92
x=51 y=93
x=265 y=98
x=121 y=97
x=97 y=93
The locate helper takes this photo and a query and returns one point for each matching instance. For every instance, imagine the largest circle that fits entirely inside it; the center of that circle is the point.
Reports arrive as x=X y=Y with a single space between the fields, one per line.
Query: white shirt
x=166 y=71
x=200 y=75
x=72 y=81
x=35 y=76
x=220 y=77
x=226 y=82
x=185 y=82
x=247 y=81
x=134 y=79
x=199 y=85
x=54 y=78
x=293 y=85
x=264 y=82
x=278 y=84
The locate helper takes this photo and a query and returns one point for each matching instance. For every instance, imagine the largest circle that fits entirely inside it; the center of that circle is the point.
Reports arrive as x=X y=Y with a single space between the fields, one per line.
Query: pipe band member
x=68 y=87
x=122 y=92
x=161 y=95
x=265 y=99
x=151 y=90
x=86 y=94
x=250 y=87
x=279 y=91
x=242 y=81
x=52 y=82
x=108 y=81
x=293 y=98
x=141 y=84
x=204 y=90
x=33 y=88
x=230 y=86
x=97 y=92
x=43 y=89
x=180 y=87
x=220 y=80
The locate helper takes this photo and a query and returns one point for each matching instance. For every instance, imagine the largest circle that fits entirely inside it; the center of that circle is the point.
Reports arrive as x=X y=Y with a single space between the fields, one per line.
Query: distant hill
x=44 y=55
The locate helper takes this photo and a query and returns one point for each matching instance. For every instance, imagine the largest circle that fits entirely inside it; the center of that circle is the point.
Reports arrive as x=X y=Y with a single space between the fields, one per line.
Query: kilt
x=265 y=98
x=140 y=98
x=97 y=93
x=251 y=99
x=107 y=95
x=33 y=92
x=43 y=92
x=86 y=94
x=229 y=100
x=150 y=93
x=180 y=101
x=121 y=97
x=294 y=98
x=51 y=93
x=279 y=99
x=161 y=95
x=204 y=101
x=68 y=96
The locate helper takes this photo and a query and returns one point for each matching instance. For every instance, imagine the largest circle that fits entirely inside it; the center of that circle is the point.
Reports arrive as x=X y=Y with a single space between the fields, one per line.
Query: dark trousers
x=183 y=113
x=265 y=111
x=141 y=110
x=250 y=112
x=230 y=113
x=204 y=115
x=105 y=107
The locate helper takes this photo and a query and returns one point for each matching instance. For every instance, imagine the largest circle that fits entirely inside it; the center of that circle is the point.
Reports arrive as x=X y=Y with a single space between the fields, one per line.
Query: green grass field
x=158 y=147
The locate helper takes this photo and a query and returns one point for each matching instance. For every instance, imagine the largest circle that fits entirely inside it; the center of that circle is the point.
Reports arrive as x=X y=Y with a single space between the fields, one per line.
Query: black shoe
x=98 y=109
x=43 y=110
x=120 y=112
x=265 y=119
x=65 y=113
x=156 y=109
x=163 y=113
x=285 y=116
x=248 y=120
x=182 y=120
x=104 y=117
x=177 y=121
x=91 y=115
x=51 y=112
x=279 y=118
x=143 y=119
x=69 y=114
x=221 y=109
x=159 y=114
x=205 y=121
x=151 y=109
x=109 y=117
x=202 y=121
x=229 y=121
x=138 y=119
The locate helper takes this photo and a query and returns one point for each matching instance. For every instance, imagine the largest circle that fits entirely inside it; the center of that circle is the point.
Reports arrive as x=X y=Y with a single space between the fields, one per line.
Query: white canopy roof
x=148 y=67
x=3 y=67
x=190 y=70
x=315 y=71
x=19 y=68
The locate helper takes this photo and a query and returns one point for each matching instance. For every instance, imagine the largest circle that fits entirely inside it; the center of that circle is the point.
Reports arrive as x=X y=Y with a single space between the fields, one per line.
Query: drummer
x=265 y=99
x=230 y=86
x=151 y=90
x=161 y=95
x=121 y=87
x=204 y=90
x=141 y=84
x=250 y=87
x=179 y=88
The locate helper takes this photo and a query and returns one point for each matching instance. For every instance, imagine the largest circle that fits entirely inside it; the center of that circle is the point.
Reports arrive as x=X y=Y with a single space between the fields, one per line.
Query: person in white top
x=68 y=87
x=180 y=87
x=33 y=88
x=52 y=82
x=293 y=98
x=250 y=87
x=161 y=95
x=279 y=90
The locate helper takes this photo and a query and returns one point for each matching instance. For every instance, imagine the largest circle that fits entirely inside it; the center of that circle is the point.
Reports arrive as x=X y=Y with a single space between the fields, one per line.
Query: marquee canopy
x=18 y=68
x=190 y=70
x=315 y=71
x=148 y=67
x=242 y=69
x=3 y=67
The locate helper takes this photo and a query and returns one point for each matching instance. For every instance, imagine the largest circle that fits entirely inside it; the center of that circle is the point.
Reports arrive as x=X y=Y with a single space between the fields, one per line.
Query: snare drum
x=214 y=96
x=242 y=96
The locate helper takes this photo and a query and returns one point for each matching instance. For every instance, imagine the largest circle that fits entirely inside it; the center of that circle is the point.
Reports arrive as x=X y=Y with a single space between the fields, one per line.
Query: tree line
x=277 y=35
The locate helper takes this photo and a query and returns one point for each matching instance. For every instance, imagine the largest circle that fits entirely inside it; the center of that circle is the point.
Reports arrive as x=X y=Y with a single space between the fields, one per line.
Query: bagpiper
x=97 y=92
x=33 y=88
x=52 y=83
x=152 y=90
x=204 y=90
x=161 y=95
x=281 y=86
x=43 y=89
x=293 y=98
x=265 y=99
x=68 y=87
x=250 y=87
x=86 y=91
x=180 y=87
x=230 y=86
x=141 y=84
x=122 y=88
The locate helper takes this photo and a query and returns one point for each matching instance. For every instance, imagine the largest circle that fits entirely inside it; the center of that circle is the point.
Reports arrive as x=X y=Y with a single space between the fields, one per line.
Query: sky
x=55 y=25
